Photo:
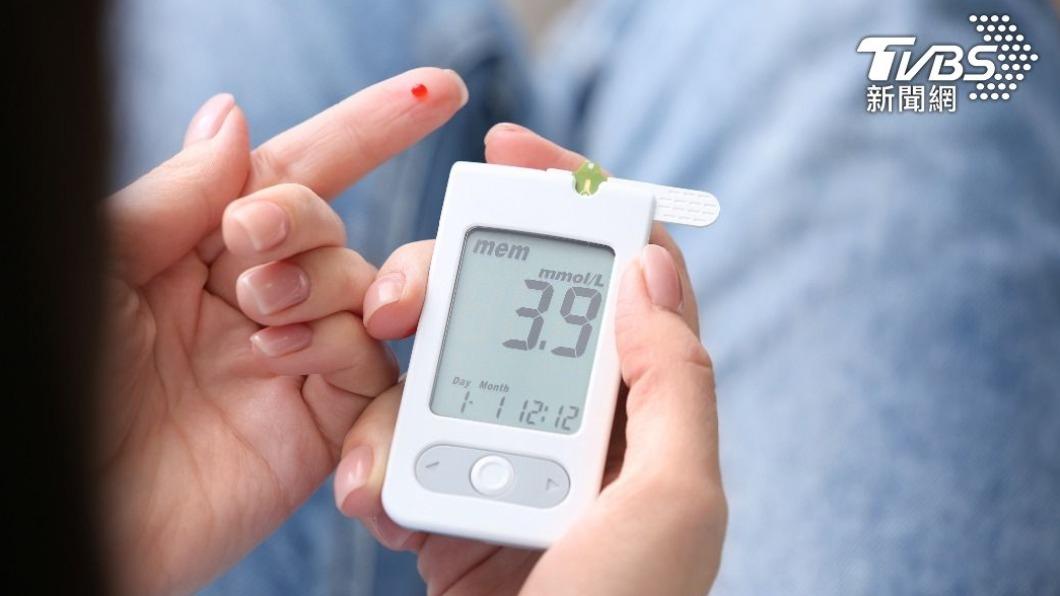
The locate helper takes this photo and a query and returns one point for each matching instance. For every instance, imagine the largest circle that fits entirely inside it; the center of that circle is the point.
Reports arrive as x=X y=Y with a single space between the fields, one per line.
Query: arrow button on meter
x=478 y=473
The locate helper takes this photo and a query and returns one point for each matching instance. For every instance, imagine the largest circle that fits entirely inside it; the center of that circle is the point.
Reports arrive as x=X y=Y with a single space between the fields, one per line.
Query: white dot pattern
x=1013 y=55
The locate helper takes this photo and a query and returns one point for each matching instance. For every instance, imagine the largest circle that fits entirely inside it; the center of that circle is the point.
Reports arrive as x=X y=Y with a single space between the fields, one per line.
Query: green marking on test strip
x=588 y=177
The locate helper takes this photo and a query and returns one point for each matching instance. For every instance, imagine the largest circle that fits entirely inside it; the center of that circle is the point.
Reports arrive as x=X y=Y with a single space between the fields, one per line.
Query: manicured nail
x=464 y=95
x=352 y=474
x=501 y=127
x=273 y=287
x=207 y=121
x=264 y=224
x=278 y=341
x=390 y=534
x=386 y=290
x=660 y=276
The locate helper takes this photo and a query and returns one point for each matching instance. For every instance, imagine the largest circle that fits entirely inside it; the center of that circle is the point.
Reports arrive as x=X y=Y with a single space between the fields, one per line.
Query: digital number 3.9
x=584 y=321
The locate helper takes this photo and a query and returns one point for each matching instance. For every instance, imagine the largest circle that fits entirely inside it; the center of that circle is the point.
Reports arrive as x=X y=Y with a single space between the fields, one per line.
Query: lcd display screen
x=523 y=325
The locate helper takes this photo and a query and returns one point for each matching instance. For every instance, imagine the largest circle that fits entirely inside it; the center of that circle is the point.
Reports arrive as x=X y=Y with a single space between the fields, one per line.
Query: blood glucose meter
x=508 y=403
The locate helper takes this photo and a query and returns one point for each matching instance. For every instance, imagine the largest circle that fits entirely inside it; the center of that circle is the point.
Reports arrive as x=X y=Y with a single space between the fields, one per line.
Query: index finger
x=338 y=146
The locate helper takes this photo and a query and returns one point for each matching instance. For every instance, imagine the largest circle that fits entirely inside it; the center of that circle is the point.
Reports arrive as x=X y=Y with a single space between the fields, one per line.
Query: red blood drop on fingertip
x=419 y=91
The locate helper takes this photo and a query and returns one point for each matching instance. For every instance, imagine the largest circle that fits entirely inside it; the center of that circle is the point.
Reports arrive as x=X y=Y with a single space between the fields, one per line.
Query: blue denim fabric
x=881 y=295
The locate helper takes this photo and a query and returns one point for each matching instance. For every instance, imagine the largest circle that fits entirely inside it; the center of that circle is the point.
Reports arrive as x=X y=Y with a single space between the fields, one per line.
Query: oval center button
x=492 y=475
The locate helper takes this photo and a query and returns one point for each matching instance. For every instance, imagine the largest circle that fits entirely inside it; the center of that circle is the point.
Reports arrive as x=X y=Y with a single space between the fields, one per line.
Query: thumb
x=162 y=216
x=658 y=528
x=671 y=410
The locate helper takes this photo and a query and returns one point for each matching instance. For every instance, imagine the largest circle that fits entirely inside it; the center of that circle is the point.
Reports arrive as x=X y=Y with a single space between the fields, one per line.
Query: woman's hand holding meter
x=658 y=525
x=237 y=361
x=236 y=356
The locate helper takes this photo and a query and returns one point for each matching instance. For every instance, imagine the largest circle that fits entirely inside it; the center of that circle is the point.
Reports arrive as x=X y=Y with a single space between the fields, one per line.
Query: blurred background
x=535 y=16
x=881 y=296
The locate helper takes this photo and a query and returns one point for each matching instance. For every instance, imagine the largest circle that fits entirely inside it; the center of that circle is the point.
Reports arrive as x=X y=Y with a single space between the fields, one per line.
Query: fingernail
x=278 y=341
x=386 y=290
x=390 y=534
x=660 y=276
x=352 y=473
x=207 y=121
x=501 y=127
x=264 y=223
x=274 y=287
x=464 y=95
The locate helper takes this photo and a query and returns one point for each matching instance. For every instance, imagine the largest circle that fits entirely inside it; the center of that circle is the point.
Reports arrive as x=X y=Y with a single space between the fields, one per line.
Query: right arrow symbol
x=551 y=484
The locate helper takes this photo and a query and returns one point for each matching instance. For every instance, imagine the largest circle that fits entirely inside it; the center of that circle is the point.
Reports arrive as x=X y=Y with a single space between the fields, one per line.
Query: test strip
x=674 y=205
x=680 y=205
x=686 y=207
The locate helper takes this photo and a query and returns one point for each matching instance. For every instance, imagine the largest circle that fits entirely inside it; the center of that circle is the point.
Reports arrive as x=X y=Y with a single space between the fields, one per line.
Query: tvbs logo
x=947 y=60
x=997 y=67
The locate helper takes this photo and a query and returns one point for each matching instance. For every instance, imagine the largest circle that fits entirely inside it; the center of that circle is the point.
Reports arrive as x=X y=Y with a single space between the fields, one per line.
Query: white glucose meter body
x=509 y=399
